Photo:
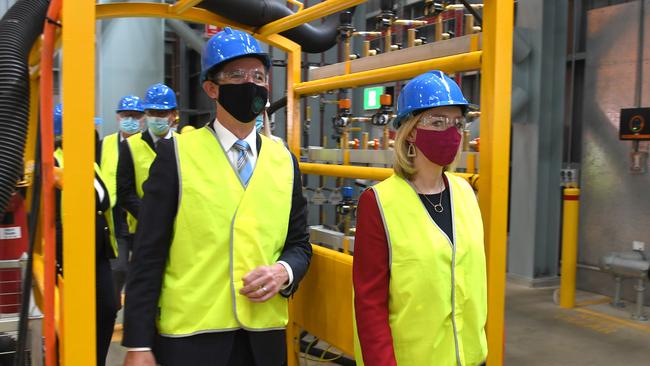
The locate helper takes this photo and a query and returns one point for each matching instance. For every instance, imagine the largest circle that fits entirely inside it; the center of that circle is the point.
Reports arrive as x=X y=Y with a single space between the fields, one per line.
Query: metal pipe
x=438 y=29
x=360 y=172
x=462 y=62
x=571 y=205
x=469 y=24
x=307 y=15
x=182 y=5
x=410 y=42
x=366 y=49
x=388 y=40
x=364 y=140
x=188 y=34
x=639 y=314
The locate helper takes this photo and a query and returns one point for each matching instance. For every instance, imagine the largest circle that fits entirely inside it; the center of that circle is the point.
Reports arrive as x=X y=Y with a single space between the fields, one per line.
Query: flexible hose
x=257 y=13
x=18 y=31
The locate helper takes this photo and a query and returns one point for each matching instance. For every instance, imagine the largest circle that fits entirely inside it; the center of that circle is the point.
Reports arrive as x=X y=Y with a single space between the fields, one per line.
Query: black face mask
x=243 y=101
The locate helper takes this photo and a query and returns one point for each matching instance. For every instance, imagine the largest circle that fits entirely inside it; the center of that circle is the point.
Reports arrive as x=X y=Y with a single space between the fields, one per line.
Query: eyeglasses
x=240 y=76
x=442 y=123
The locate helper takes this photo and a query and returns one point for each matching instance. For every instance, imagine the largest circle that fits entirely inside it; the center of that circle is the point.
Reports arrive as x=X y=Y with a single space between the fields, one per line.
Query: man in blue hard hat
x=139 y=150
x=222 y=237
x=129 y=116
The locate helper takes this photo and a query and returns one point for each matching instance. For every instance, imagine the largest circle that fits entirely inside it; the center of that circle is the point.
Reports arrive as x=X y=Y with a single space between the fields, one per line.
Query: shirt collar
x=156 y=138
x=228 y=139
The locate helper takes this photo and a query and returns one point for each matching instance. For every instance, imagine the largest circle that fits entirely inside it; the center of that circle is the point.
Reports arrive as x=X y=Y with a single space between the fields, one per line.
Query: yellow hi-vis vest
x=143 y=156
x=108 y=214
x=437 y=294
x=223 y=231
x=110 y=155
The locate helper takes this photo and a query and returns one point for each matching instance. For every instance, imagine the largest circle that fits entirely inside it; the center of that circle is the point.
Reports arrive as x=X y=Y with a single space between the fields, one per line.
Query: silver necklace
x=436 y=207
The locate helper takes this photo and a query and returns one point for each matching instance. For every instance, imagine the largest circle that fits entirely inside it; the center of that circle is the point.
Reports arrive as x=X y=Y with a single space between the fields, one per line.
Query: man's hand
x=264 y=282
x=139 y=358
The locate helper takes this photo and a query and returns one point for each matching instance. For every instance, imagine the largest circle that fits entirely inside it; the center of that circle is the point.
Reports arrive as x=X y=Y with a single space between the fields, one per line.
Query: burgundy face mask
x=440 y=147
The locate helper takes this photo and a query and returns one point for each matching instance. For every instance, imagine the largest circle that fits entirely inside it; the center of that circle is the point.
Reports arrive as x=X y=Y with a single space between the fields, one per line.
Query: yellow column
x=496 y=80
x=293 y=101
x=570 y=209
x=78 y=203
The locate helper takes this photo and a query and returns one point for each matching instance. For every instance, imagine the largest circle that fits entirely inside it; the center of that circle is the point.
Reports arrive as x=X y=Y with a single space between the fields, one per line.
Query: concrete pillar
x=130 y=58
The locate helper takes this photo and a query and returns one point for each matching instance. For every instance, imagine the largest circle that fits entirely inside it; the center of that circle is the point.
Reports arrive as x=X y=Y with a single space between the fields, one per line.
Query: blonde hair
x=403 y=164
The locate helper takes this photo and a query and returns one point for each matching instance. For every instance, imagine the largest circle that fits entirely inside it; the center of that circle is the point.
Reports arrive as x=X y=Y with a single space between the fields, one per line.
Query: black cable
x=278 y=104
x=27 y=280
x=473 y=11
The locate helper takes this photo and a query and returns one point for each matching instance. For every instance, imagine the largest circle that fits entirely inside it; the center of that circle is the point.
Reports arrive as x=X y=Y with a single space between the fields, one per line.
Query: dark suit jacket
x=153 y=240
x=127 y=196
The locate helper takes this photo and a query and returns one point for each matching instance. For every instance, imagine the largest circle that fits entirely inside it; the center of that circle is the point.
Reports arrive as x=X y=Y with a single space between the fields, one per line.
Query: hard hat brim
x=159 y=107
x=263 y=57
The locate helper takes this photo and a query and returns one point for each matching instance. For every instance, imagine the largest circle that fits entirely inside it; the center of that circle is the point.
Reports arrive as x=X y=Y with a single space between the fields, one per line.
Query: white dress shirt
x=156 y=138
x=227 y=140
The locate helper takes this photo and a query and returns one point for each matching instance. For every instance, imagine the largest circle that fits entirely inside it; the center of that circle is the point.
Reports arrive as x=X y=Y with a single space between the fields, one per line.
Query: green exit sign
x=371 y=97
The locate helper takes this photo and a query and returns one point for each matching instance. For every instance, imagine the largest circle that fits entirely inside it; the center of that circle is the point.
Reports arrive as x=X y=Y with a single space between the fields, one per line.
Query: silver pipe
x=189 y=35
x=590 y=267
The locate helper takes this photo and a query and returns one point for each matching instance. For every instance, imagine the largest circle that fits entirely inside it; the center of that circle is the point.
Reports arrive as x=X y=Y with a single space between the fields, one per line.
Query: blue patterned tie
x=244 y=167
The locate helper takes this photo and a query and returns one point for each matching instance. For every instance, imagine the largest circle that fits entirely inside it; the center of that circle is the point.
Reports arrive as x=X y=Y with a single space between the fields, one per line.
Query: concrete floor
x=540 y=333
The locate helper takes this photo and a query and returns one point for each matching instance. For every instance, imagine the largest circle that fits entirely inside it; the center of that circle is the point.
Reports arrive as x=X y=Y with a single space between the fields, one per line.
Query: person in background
x=139 y=150
x=222 y=237
x=129 y=116
x=419 y=264
x=106 y=304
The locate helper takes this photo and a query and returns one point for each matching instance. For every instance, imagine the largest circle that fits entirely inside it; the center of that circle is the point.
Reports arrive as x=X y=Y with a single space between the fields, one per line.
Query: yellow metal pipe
x=346 y=171
x=78 y=214
x=360 y=172
x=469 y=24
x=293 y=102
x=182 y=5
x=159 y=10
x=29 y=154
x=471 y=164
x=462 y=62
x=347 y=55
x=317 y=11
x=297 y=3
x=496 y=81
x=570 y=210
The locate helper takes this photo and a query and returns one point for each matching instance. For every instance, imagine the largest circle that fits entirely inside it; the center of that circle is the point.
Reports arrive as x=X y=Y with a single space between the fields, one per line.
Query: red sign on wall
x=211 y=30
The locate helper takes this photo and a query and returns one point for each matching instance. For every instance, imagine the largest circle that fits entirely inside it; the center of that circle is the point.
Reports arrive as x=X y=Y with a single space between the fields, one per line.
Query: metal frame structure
x=78 y=42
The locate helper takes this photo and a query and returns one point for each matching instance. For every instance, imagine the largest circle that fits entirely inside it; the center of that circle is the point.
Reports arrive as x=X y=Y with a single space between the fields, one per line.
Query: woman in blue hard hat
x=222 y=239
x=419 y=265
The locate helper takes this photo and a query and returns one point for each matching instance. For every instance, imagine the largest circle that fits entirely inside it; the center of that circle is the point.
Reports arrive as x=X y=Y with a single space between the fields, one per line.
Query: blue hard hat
x=130 y=103
x=228 y=45
x=429 y=90
x=58 y=119
x=160 y=96
x=347 y=192
x=98 y=121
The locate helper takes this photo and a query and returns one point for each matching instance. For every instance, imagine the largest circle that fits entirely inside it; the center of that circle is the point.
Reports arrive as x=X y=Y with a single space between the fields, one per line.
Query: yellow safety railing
x=323 y=306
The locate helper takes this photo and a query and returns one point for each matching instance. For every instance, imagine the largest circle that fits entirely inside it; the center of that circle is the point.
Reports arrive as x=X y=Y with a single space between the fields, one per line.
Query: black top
x=157 y=214
x=442 y=219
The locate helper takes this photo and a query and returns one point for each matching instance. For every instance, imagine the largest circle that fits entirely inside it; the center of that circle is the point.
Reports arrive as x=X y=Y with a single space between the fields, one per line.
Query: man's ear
x=211 y=89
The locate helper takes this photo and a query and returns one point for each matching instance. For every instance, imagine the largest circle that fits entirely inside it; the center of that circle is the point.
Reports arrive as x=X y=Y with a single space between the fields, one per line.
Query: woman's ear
x=411 y=137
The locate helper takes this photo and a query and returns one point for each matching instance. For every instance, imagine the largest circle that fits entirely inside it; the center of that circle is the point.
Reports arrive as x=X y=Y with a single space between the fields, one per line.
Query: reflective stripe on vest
x=221 y=232
x=110 y=155
x=108 y=214
x=142 y=155
x=58 y=156
x=438 y=289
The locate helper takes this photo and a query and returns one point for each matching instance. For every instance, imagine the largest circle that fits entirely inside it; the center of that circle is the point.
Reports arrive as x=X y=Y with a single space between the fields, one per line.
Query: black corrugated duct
x=19 y=28
x=257 y=13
